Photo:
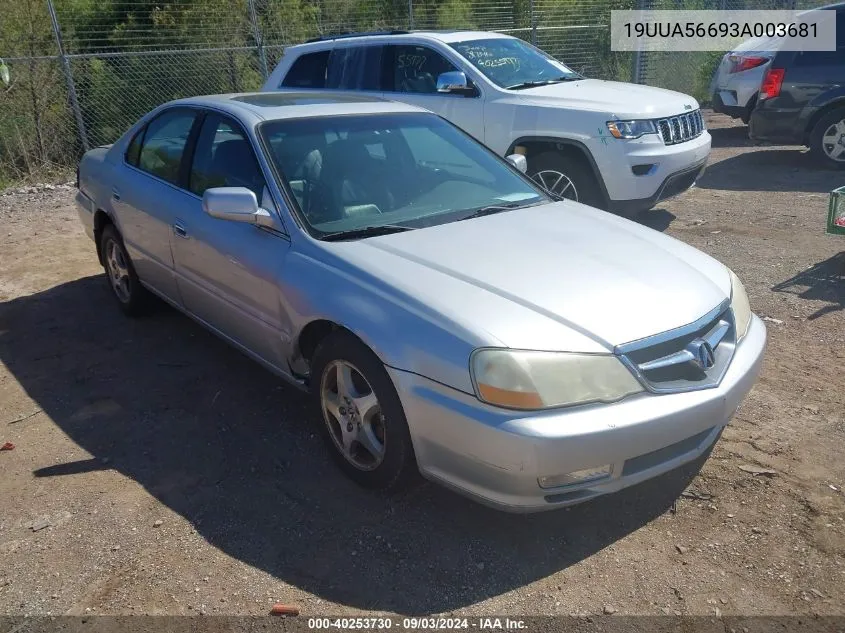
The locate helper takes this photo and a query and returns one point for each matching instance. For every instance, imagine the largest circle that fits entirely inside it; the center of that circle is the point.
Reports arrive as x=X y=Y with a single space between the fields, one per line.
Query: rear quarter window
x=308 y=71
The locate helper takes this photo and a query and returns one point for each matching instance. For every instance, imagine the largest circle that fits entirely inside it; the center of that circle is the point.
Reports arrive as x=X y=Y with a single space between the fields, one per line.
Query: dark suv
x=802 y=99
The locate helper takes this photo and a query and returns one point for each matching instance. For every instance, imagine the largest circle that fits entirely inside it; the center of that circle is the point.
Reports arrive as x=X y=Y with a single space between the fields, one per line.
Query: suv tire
x=830 y=127
x=566 y=176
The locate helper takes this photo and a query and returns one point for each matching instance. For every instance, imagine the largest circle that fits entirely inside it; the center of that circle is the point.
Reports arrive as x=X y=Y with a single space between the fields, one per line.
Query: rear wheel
x=827 y=139
x=566 y=176
x=126 y=287
x=360 y=414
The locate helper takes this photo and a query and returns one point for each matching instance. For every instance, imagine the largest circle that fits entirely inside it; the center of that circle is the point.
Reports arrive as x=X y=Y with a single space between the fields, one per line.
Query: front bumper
x=667 y=166
x=496 y=456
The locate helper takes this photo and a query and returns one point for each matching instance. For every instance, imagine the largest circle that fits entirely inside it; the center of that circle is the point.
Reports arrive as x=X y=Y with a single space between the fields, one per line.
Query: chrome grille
x=692 y=357
x=681 y=128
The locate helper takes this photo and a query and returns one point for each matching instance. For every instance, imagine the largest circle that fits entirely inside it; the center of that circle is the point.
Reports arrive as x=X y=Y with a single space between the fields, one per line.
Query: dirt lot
x=158 y=471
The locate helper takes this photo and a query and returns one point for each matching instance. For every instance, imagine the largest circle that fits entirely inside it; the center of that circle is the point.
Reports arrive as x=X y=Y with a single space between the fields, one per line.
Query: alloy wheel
x=557 y=183
x=353 y=415
x=833 y=141
x=118 y=271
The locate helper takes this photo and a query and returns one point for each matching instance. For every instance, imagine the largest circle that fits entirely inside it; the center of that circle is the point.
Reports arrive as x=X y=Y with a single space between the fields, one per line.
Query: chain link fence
x=82 y=71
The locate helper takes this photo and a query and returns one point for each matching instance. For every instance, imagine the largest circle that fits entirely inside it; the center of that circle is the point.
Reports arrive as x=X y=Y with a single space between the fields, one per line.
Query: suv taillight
x=745 y=62
x=772 y=81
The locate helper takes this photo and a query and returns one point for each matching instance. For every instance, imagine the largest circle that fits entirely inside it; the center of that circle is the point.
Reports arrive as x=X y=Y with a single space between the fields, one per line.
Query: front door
x=412 y=73
x=228 y=271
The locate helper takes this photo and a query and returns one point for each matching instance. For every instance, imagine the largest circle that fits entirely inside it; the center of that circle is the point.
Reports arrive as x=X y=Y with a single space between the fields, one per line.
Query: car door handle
x=180 y=231
x=115 y=194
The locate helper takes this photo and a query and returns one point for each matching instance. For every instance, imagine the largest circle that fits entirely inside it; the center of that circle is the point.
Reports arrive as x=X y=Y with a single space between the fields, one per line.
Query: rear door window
x=164 y=144
x=308 y=71
x=355 y=68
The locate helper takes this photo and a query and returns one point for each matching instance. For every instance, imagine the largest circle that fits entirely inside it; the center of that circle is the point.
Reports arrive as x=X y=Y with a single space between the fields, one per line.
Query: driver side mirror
x=455 y=82
x=236 y=204
x=519 y=161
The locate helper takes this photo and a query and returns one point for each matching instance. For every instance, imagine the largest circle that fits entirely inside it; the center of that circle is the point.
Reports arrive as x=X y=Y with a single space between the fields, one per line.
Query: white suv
x=617 y=146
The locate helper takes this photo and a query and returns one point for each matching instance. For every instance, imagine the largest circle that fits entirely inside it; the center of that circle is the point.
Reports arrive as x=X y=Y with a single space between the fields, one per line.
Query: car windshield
x=512 y=63
x=389 y=172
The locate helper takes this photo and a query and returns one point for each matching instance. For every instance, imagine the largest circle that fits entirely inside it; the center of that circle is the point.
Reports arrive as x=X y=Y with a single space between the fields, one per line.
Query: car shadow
x=221 y=441
x=824 y=281
x=657 y=219
x=776 y=170
x=734 y=136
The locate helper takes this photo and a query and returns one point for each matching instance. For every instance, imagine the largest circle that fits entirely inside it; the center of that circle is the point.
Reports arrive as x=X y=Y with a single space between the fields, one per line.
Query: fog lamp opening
x=576 y=477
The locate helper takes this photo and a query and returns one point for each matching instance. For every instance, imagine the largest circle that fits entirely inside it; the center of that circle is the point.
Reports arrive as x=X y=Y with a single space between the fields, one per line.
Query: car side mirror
x=455 y=82
x=236 y=204
x=519 y=161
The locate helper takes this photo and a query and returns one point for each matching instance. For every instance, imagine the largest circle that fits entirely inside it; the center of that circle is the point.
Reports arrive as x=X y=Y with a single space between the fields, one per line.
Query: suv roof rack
x=337 y=36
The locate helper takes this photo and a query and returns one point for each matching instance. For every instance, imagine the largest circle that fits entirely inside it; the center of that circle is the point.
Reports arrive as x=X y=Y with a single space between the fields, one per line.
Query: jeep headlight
x=740 y=306
x=631 y=129
x=520 y=379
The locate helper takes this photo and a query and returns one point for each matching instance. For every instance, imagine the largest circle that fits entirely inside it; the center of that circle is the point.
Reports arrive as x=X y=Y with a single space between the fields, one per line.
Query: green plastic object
x=836 y=212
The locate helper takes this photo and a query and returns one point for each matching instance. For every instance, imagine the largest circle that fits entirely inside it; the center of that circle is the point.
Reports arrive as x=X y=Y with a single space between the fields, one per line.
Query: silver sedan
x=450 y=317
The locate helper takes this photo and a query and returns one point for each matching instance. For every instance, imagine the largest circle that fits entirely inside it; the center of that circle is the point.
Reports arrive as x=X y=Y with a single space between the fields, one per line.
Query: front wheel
x=827 y=139
x=566 y=177
x=360 y=414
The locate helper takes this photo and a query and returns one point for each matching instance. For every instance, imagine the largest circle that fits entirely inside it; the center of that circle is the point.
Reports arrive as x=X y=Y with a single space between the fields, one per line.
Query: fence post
x=638 y=65
x=71 y=87
x=410 y=15
x=533 y=20
x=259 y=39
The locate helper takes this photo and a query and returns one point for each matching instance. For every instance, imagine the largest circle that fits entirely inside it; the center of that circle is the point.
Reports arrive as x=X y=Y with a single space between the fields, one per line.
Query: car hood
x=623 y=100
x=522 y=276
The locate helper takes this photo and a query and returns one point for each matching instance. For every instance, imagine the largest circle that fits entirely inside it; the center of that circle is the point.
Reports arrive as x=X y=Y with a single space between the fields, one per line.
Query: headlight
x=519 y=379
x=741 y=307
x=631 y=129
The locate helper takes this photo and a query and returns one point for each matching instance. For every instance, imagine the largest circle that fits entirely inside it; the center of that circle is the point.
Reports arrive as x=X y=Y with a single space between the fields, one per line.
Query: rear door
x=411 y=76
x=147 y=198
x=812 y=75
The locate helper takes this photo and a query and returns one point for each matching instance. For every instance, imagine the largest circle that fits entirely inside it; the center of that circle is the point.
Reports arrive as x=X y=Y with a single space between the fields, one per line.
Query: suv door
x=228 y=271
x=411 y=76
x=146 y=196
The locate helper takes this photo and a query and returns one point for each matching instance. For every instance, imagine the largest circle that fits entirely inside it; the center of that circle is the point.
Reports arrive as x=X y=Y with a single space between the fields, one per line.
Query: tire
x=131 y=296
x=380 y=426
x=546 y=168
x=831 y=127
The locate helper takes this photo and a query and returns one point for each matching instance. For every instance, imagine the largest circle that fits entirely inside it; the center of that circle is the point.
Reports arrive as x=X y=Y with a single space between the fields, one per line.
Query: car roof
x=253 y=107
x=445 y=37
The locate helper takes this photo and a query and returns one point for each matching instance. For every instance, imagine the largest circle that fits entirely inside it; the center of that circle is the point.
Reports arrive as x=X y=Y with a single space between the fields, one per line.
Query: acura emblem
x=702 y=353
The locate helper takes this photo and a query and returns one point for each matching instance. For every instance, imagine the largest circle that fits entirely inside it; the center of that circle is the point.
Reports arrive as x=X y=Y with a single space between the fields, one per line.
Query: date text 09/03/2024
x=416 y=623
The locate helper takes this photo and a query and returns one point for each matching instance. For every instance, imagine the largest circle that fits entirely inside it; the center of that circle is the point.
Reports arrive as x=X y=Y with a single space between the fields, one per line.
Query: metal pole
x=533 y=20
x=410 y=15
x=71 y=87
x=259 y=40
x=638 y=65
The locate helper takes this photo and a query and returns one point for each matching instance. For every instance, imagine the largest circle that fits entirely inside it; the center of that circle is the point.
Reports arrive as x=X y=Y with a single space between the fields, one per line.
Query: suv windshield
x=512 y=63
x=389 y=172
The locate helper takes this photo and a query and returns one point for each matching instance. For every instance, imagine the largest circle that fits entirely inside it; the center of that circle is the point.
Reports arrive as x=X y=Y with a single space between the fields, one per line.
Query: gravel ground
x=158 y=471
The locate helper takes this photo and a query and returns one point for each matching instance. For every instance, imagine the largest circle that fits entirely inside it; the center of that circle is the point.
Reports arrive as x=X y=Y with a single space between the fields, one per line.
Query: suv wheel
x=827 y=140
x=565 y=176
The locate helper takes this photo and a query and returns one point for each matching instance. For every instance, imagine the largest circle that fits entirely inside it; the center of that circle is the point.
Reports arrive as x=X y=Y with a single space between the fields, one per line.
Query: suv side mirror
x=455 y=82
x=236 y=204
x=519 y=161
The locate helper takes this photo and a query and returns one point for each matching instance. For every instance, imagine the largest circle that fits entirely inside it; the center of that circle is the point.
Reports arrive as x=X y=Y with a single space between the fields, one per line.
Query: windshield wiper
x=542 y=82
x=366 y=231
x=490 y=210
